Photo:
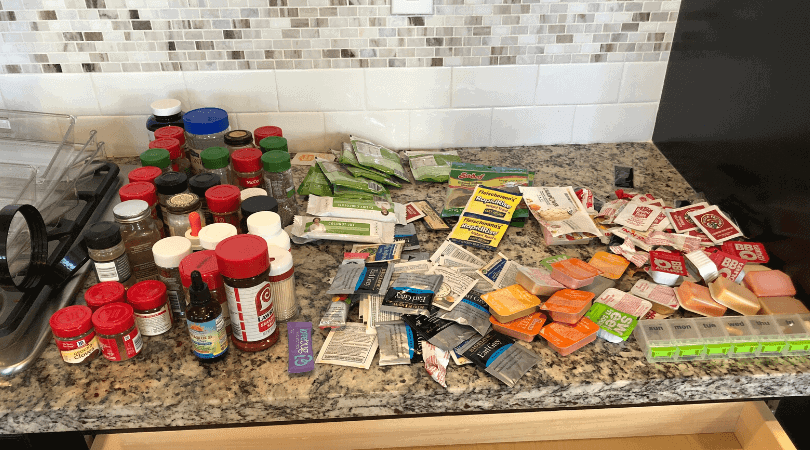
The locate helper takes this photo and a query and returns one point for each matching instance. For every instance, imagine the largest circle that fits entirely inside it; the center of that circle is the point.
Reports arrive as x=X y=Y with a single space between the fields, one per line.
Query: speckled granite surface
x=167 y=387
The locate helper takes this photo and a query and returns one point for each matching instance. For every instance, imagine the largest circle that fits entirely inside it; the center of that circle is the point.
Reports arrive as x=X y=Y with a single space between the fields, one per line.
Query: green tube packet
x=378 y=157
x=348 y=157
x=338 y=176
x=315 y=182
x=372 y=175
x=432 y=166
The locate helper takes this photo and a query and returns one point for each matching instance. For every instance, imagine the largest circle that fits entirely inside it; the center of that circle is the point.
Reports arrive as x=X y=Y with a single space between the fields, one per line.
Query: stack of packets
x=465 y=177
x=485 y=218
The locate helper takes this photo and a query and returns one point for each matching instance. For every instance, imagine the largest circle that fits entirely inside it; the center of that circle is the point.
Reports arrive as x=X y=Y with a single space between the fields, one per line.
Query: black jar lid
x=258 y=203
x=171 y=183
x=238 y=137
x=102 y=235
x=202 y=182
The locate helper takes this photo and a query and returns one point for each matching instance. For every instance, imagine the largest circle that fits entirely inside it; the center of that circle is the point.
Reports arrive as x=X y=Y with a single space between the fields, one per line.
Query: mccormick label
x=750 y=251
x=208 y=339
x=154 y=323
x=75 y=352
x=253 y=316
x=668 y=262
x=728 y=266
x=249 y=182
x=132 y=345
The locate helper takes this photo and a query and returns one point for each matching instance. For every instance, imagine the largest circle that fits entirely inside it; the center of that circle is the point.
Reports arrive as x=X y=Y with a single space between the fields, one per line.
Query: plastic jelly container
x=537 y=281
x=574 y=273
x=568 y=305
x=525 y=328
x=781 y=305
x=771 y=283
x=697 y=299
x=510 y=303
x=734 y=297
x=612 y=266
x=566 y=339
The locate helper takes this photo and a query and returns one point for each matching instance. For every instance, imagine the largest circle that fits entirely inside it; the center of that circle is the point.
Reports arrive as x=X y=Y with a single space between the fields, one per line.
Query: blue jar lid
x=204 y=121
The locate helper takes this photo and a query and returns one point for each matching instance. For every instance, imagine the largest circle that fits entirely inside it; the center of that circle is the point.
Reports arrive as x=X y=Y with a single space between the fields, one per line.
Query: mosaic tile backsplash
x=74 y=36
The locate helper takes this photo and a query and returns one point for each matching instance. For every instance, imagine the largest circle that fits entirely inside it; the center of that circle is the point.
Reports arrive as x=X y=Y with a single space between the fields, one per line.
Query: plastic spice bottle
x=238 y=139
x=103 y=293
x=282 y=283
x=144 y=174
x=107 y=251
x=267 y=225
x=138 y=233
x=205 y=127
x=205 y=262
x=245 y=267
x=157 y=157
x=178 y=207
x=263 y=132
x=272 y=143
x=193 y=234
x=201 y=183
x=179 y=161
x=141 y=190
x=279 y=182
x=223 y=201
x=118 y=335
x=168 y=185
x=255 y=205
x=206 y=325
x=252 y=192
x=174 y=132
x=74 y=334
x=150 y=306
x=217 y=160
x=212 y=235
x=166 y=112
x=169 y=252
x=247 y=168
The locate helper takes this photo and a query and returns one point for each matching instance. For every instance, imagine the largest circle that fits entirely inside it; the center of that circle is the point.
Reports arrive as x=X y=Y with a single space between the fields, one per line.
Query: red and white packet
x=629 y=252
x=638 y=216
x=436 y=361
x=668 y=262
x=679 y=219
x=705 y=241
x=729 y=266
x=715 y=224
x=750 y=251
x=412 y=212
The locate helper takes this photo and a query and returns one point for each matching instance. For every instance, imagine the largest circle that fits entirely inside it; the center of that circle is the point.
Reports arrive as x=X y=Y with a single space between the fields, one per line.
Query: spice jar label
x=112 y=350
x=253 y=317
x=154 y=323
x=208 y=339
x=115 y=270
x=75 y=352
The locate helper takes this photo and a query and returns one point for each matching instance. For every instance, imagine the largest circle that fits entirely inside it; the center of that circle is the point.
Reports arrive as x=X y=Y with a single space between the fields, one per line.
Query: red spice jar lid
x=171 y=132
x=242 y=256
x=139 y=190
x=170 y=144
x=205 y=262
x=247 y=160
x=71 y=321
x=223 y=198
x=147 y=174
x=263 y=132
x=104 y=293
x=145 y=295
x=113 y=318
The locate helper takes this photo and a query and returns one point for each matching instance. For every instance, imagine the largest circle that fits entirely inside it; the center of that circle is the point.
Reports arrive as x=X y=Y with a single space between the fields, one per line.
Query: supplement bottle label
x=154 y=323
x=132 y=345
x=253 y=316
x=75 y=352
x=115 y=270
x=208 y=339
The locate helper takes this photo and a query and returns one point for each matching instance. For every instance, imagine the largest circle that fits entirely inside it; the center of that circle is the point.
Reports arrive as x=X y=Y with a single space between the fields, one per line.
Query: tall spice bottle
x=279 y=182
x=169 y=252
x=139 y=233
x=108 y=253
x=209 y=341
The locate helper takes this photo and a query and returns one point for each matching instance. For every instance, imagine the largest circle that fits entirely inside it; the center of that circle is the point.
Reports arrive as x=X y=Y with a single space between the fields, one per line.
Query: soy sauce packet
x=375 y=278
x=348 y=277
x=444 y=334
x=500 y=357
x=398 y=344
x=411 y=293
x=471 y=311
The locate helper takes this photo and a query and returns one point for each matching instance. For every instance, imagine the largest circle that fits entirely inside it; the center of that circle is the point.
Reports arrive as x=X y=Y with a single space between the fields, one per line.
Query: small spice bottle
x=199 y=184
x=237 y=139
x=255 y=205
x=138 y=233
x=223 y=201
x=279 y=182
x=282 y=283
x=168 y=254
x=205 y=127
x=170 y=184
x=147 y=192
x=267 y=225
x=193 y=234
x=252 y=192
x=118 y=335
x=205 y=262
x=273 y=143
x=166 y=112
x=217 y=160
x=174 y=132
x=264 y=132
x=179 y=161
x=150 y=306
x=247 y=168
x=107 y=251
x=212 y=235
x=144 y=174
x=209 y=340
x=245 y=267
x=157 y=157
x=178 y=208
x=103 y=293
x=74 y=334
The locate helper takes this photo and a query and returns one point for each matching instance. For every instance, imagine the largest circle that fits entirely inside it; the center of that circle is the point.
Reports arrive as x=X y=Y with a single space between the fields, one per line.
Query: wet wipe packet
x=336 y=229
x=500 y=357
x=375 y=156
x=398 y=344
x=339 y=176
x=442 y=333
x=346 y=208
x=411 y=293
x=472 y=311
x=315 y=182
x=432 y=166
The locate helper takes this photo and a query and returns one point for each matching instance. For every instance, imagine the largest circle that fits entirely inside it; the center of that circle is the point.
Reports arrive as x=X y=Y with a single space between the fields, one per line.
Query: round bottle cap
x=71 y=321
x=243 y=256
x=166 y=107
x=276 y=161
x=146 y=295
x=264 y=223
x=131 y=210
x=171 y=183
x=145 y=174
x=139 y=190
x=205 y=262
x=263 y=132
x=183 y=203
x=238 y=137
x=156 y=157
x=247 y=160
x=211 y=235
x=171 y=132
x=170 y=144
x=258 y=204
x=206 y=121
x=223 y=198
x=252 y=192
x=105 y=292
x=102 y=235
x=170 y=251
x=273 y=143
x=282 y=260
x=280 y=239
x=202 y=182
x=215 y=157
x=113 y=318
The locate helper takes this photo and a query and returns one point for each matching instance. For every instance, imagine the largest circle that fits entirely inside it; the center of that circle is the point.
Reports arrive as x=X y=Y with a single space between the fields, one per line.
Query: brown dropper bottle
x=209 y=340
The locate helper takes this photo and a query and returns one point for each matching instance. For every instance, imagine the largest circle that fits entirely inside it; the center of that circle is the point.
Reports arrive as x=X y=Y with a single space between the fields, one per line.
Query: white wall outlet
x=412 y=7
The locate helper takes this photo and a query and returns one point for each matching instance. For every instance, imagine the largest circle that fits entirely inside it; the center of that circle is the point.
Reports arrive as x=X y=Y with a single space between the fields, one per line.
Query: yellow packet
x=492 y=203
x=478 y=231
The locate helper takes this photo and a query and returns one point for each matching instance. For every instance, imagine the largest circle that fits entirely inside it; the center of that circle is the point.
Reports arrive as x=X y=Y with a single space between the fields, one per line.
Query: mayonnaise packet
x=471 y=311
x=442 y=333
x=315 y=182
x=436 y=361
x=411 y=293
x=398 y=344
x=431 y=166
x=500 y=357
x=356 y=209
x=352 y=230
x=372 y=175
x=377 y=157
x=339 y=176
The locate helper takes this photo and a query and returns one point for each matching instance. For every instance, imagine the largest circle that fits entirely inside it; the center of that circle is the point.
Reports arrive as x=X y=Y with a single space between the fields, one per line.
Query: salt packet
x=315 y=182
x=369 y=154
x=339 y=176
x=398 y=344
x=375 y=278
x=431 y=166
x=352 y=230
x=500 y=357
x=436 y=361
x=348 y=277
x=301 y=359
x=380 y=252
x=349 y=346
x=454 y=287
x=337 y=313
x=472 y=311
x=439 y=332
x=356 y=209
x=411 y=293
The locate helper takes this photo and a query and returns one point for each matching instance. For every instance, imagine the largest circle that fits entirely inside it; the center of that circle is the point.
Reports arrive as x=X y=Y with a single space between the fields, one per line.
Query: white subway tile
x=632 y=122
x=122 y=135
x=494 y=86
x=2 y=102
x=304 y=131
x=642 y=82
x=390 y=129
x=234 y=91
x=538 y=125
x=408 y=88
x=60 y=93
x=576 y=84
x=444 y=128
x=320 y=90
x=122 y=94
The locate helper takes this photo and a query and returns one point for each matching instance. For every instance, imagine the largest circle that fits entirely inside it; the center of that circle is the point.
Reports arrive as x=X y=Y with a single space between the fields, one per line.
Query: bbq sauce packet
x=348 y=277
x=471 y=311
x=444 y=334
x=398 y=344
x=411 y=293
x=375 y=278
x=500 y=357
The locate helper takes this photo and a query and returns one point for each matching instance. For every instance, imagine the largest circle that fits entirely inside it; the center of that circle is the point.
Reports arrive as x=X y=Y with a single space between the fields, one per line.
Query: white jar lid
x=211 y=235
x=282 y=260
x=264 y=223
x=166 y=107
x=168 y=252
x=252 y=192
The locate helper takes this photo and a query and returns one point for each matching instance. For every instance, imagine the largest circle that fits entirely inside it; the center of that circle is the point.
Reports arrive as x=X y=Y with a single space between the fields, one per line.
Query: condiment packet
x=681 y=242
x=478 y=231
x=662 y=297
x=612 y=266
x=615 y=322
x=315 y=182
x=508 y=275
x=453 y=288
x=699 y=264
x=568 y=305
x=566 y=339
x=705 y=241
x=585 y=197
x=407 y=234
x=510 y=303
x=492 y=203
x=439 y=332
x=729 y=266
x=377 y=157
x=753 y=252
x=537 y=281
x=336 y=314
x=472 y=311
x=493 y=268
x=375 y=278
x=431 y=166
x=458 y=353
x=412 y=213
x=715 y=224
x=345 y=192
x=600 y=284
x=380 y=252
x=348 y=277
x=458 y=264
x=625 y=302
x=432 y=219
x=309 y=158
x=372 y=175
x=697 y=299
x=547 y=262
x=349 y=346
x=299 y=336
x=464 y=177
x=629 y=252
x=456 y=251
x=668 y=262
x=411 y=293
x=352 y=230
x=525 y=328
x=375 y=317
x=679 y=218
x=436 y=361
x=356 y=209
x=559 y=210
x=412 y=266
x=638 y=216
x=339 y=176
x=347 y=156
x=398 y=344
x=498 y=355
x=612 y=209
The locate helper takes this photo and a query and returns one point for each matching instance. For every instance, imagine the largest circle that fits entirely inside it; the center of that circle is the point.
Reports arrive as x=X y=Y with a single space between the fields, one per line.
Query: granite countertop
x=167 y=387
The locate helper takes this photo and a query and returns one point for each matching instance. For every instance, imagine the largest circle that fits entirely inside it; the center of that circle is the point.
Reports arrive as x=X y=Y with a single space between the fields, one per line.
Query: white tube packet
x=352 y=230
x=350 y=208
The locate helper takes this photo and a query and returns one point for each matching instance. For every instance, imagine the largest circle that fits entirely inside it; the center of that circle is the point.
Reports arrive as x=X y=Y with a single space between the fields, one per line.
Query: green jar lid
x=215 y=157
x=156 y=157
x=273 y=143
x=276 y=160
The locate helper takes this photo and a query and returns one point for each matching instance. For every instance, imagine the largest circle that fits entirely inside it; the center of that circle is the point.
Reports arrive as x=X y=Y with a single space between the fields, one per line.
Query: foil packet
x=398 y=344
x=500 y=357
x=439 y=332
x=472 y=311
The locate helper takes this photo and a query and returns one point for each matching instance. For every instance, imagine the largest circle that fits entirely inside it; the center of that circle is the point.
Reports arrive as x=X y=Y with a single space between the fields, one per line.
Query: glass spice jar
x=253 y=192
x=139 y=233
x=205 y=127
x=147 y=192
x=150 y=306
x=205 y=262
x=144 y=174
x=223 y=202
x=168 y=185
x=118 y=335
x=200 y=184
x=279 y=182
x=169 y=252
x=74 y=334
x=157 y=157
x=217 y=160
x=106 y=249
x=255 y=205
x=103 y=293
x=174 y=132
x=178 y=208
x=165 y=113
x=238 y=139
x=282 y=283
x=247 y=168
x=264 y=132
x=179 y=161
x=213 y=234
x=273 y=143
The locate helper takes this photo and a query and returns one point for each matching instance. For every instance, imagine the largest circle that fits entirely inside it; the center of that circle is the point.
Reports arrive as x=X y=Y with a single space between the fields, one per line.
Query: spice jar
x=74 y=334
x=282 y=283
x=169 y=252
x=223 y=201
x=209 y=339
x=263 y=132
x=252 y=192
x=238 y=139
x=147 y=192
x=179 y=161
x=170 y=184
x=205 y=262
x=279 y=182
x=247 y=168
x=200 y=184
x=273 y=143
x=166 y=112
x=157 y=157
x=103 y=293
x=178 y=208
x=245 y=266
x=144 y=174
x=255 y=205
x=174 y=132
x=205 y=127
x=267 y=225
x=213 y=234
x=217 y=160
x=107 y=251
x=139 y=233
x=118 y=335
x=150 y=306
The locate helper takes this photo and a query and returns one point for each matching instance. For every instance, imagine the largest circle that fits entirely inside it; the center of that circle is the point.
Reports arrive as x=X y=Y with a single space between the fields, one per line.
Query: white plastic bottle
x=267 y=225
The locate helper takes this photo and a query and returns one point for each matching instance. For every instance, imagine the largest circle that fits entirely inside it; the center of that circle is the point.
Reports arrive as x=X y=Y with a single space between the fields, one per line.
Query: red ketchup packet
x=750 y=251
x=729 y=266
x=715 y=224
x=668 y=262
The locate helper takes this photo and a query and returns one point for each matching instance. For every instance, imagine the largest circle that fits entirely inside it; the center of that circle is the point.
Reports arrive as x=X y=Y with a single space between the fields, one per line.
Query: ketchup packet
x=668 y=262
x=436 y=361
x=715 y=224
x=750 y=251
x=728 y=266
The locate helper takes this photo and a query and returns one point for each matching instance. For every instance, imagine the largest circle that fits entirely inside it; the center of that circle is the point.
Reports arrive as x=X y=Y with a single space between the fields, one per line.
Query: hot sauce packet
x=715 y=224
x=436 y=361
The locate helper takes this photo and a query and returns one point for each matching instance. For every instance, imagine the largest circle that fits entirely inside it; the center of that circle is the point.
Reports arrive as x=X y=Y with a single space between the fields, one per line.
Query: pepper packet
x=301 y=359
x=339 y=176
x=442 y=333
x=432 y=166
x=375 y=156
x=500 y=357
x=315 y=182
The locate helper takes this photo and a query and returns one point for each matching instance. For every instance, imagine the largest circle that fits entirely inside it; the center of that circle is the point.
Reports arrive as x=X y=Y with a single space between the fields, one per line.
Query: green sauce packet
x=372 y=175
x=378 y=157
x=338 y=176
x=432 y=166
x=612 y=320
x=315 y=182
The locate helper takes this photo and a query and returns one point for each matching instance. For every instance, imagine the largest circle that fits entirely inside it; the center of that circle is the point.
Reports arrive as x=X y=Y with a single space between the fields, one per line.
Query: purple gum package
x=300 y=347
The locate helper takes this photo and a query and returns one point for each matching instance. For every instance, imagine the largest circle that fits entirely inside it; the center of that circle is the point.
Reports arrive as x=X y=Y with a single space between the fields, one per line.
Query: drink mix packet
x=411 y=293
x=432 y=166
x=398 y=344
x=442 y=333
x=356 y=209
x=498 y=355
x=472 y=311
x=315 y=182
x=339 y=176
x=377 y=157
x=348 y=277
x=352 y=230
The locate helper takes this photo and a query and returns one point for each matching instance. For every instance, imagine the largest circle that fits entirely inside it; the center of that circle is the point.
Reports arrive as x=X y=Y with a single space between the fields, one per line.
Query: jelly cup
x=566 y=339
x=568 y=305
x=574 y=273
x=525 y=328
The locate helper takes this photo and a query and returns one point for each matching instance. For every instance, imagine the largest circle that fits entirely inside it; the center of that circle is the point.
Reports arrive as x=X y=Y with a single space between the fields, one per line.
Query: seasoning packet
x=456 y=251
x=407 y=234
x=337 y=313
x=375 y=316
x=411 y=293
x=349 y=346
x=375 y=278
x=379 y=252
x=301 y=359
x=315 y=182
x=348 y=277
x=372 y=175
x=472 y=311
x=347 y=156
x=345 y=192
x=338 y=176
x=439 y=332
x=455 y=286
x=432 y=166
x=352 y=230
x=432 y=218
x=498 y=355
x=616 y=323
x=479 y=231
x=412 y=213
x=398 y=344
x=377 y=157
x=436 y=361
x=356 y=209
x=713 y=223
x=464 y=177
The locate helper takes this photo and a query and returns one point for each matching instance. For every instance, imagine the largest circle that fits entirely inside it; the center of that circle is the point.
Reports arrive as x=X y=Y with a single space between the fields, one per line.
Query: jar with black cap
x=139 y=233
x=165 y=112
x=238 y=139
x=254 y=205
x=178 y=207
x=199 y=184
x=217 y=160
x=157 y=157
x=169 y=184
x=106 y=249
